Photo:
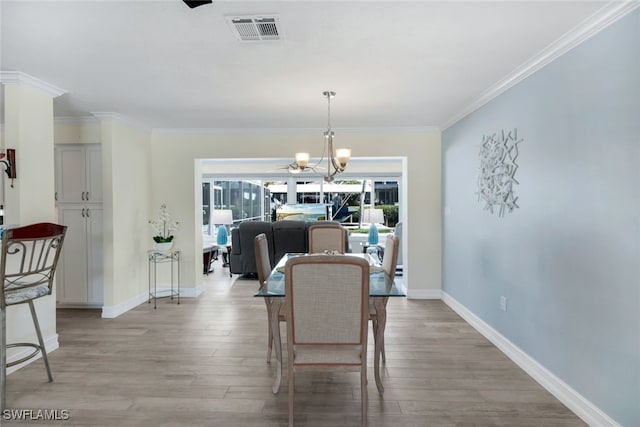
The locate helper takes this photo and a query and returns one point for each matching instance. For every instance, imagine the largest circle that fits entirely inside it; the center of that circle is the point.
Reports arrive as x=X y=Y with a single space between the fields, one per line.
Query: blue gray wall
x=568 y=260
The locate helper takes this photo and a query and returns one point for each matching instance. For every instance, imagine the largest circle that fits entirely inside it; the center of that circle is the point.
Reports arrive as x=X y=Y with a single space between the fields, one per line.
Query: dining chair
x=263 y=267
x=327 y=317
x=29 y=259
x=327 y=236
x=389 y=262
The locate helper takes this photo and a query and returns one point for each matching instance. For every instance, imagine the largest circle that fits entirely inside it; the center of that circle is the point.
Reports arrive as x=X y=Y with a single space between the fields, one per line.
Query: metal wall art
x=498 y=154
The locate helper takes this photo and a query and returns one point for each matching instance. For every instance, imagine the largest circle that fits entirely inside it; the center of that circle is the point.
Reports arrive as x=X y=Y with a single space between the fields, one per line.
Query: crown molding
x=389 y=130
x=293 y=131
x=20 y=78
x=71 y=120
x=104 y=116
x=234 y=131
x=592 y=25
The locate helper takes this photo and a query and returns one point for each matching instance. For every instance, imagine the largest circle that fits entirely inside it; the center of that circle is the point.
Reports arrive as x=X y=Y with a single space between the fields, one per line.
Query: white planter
x=163 y=247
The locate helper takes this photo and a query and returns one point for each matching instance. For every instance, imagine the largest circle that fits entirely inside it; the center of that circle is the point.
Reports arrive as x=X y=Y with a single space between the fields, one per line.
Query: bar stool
x=29 y=259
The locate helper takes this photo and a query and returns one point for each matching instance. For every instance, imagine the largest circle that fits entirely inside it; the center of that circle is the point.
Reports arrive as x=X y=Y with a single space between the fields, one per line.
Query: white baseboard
x=50 y=344
x=192 y=292
x=109 y=312
x=577 y=403
x=424 y=294
x=82 y=306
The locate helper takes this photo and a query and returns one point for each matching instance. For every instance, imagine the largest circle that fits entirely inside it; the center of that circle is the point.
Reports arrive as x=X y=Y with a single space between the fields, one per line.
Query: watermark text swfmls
x=35 y=414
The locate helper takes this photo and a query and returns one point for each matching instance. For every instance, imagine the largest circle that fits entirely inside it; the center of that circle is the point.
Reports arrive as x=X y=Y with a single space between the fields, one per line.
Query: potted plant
x=163 y=229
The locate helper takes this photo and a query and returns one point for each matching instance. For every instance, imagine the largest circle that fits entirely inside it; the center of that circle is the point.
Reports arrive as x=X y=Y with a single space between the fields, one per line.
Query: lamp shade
x=343 y=155
x=222 y=216
x=373 y=216
x=302 y=159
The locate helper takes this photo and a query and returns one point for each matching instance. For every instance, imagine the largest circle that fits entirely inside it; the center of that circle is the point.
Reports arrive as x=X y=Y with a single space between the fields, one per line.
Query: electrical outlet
x=503 y=303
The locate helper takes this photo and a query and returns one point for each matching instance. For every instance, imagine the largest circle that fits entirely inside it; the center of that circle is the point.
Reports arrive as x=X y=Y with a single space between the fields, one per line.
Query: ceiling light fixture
x=338 y=161
x=193 y=4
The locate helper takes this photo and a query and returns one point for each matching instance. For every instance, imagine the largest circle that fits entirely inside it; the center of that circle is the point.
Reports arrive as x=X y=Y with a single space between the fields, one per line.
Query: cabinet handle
x=55 y=196
x=82 y=196
x=83 y=212
x=88 y=213
x=87 y=196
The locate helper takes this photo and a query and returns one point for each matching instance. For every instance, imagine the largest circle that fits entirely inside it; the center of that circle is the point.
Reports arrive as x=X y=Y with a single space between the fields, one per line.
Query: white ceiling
x=392 y=63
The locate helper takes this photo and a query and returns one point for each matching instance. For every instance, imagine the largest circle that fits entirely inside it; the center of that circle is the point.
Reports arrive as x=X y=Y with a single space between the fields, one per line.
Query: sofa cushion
x=289 y=236
x=282 y=237
x=243 y=259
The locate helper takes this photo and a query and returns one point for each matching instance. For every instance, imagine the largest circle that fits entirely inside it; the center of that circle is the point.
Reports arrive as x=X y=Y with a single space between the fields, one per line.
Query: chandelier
x=336 y=162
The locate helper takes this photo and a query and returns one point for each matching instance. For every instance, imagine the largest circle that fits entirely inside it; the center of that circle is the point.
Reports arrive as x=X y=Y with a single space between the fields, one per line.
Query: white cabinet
x=80 y=278
x=80 y=271
x=78 y=173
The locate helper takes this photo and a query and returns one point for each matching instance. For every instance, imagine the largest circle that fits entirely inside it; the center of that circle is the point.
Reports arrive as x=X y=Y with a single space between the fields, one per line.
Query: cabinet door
x=95 y=270
x=70 y=174
x=93 y=170
x=72 y=268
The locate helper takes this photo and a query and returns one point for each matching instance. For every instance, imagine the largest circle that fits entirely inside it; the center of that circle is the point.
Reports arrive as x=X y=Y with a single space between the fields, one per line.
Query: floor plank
x=203 y=363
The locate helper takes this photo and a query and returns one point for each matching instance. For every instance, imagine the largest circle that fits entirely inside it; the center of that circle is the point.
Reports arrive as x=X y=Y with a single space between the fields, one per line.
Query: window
x=244 y=198
x=255 y=200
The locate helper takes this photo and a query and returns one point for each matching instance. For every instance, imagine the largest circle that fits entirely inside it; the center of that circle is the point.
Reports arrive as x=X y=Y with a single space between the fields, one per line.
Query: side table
x=159 y=257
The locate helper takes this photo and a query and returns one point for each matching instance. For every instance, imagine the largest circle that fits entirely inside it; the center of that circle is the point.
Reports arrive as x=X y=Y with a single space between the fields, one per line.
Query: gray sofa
x=282 y=237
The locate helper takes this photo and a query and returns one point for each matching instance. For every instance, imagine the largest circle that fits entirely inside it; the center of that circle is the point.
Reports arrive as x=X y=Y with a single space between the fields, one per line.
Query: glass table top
x=380 y=284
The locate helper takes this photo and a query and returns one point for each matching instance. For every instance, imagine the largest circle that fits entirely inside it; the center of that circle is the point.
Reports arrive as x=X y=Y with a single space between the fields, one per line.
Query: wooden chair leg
x=43 y=350
x=270 y=333
x=270 y=341
x=291 y=391
x=363 y=394
x=375 y=338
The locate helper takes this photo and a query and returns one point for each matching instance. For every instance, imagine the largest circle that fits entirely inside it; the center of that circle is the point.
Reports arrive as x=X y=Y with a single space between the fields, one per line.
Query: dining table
x=381 y=288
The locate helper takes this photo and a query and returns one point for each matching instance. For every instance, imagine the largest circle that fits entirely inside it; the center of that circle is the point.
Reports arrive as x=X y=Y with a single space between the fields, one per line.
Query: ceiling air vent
x=255 y=28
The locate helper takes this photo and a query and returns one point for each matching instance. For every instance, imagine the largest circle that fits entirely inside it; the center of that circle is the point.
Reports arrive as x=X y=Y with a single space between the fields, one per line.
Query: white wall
x=174 y=173
x=28 y=127
x=73 y=130
x=127 y=187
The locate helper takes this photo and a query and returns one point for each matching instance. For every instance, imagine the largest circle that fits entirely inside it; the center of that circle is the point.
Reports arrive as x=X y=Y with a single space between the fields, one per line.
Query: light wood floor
x=203 y=363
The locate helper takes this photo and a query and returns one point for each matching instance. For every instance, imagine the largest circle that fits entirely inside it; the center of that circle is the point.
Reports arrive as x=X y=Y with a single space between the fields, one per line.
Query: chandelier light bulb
x=343 y=155
x=302 y=159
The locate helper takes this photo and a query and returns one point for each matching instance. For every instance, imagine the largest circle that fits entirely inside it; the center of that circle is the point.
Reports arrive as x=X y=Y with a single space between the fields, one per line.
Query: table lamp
x=373 y=234
x=222 y=217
